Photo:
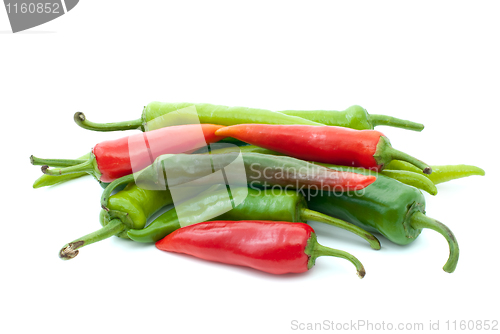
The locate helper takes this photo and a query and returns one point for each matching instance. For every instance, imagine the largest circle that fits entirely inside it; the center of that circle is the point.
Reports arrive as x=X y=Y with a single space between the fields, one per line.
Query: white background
x=431 y=62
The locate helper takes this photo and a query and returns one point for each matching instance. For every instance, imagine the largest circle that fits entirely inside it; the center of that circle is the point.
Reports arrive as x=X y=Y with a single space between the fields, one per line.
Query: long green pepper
x=260 y=170
x=153 y=117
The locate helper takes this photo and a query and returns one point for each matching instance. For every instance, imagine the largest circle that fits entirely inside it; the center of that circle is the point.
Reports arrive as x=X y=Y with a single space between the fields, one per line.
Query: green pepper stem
x=395 y=122
x=315 y=250
x=89 y=166
x=69 y=251
x=385 y=153
x=307 y=214
x=56 y=162
x=418 y=221
x=82 y=121
x=416 y=180
x=321 y=250
x=112 y=186
x=49 y=180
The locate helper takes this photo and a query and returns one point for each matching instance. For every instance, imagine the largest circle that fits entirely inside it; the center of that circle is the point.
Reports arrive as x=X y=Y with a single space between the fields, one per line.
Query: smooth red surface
x=123 y=156
x=273 y=247
x=327 y=144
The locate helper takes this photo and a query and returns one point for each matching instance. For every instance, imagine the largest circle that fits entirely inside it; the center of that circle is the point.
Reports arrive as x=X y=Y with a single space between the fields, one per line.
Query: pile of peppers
x=238 y=185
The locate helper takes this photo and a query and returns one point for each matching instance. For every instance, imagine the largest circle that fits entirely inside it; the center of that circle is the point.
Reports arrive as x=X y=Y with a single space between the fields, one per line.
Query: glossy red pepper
x=328 y=144
x=113 y=159
x=273 y=247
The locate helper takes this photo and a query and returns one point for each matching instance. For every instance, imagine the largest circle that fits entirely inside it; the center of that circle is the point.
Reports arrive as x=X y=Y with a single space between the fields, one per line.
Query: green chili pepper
x=417 y=180
x=129 y=208
x=388 y=207
x=153 y=117
x=260 y=170
x=439 y=174
x=285 y=205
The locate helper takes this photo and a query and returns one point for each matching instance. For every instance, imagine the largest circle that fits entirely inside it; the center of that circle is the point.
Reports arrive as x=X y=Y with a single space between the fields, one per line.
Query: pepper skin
x=273 y=247
x=113 y=159
x=328 y=144
x=129 y=208
x=388 y=207
x=354 y=117
x=259 y=204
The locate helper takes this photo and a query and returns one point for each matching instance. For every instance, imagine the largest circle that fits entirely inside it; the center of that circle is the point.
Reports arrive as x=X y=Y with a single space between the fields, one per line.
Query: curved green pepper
x=287 y=205
x=390 y=208
x=153 y=114
x=129 y=208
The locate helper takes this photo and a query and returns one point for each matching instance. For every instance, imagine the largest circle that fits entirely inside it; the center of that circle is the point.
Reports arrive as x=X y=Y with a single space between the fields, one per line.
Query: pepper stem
x=56 y=162
x=315 y=250
x=307 y=214
x=112 y=186
x=395 y=122
x=385 y=153
x=88 y=166
x=418 y=221
x=82 y=121
x=69 y=251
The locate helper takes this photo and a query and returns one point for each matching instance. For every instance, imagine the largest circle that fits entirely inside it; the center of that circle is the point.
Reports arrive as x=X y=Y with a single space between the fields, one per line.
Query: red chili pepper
x=273 y=247
x=113 y=159
x=328 y=144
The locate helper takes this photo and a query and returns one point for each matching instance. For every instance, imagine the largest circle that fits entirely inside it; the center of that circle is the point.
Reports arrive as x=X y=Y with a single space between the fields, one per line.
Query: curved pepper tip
x=421 y=221
x=427 y=170
x=361 y=273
